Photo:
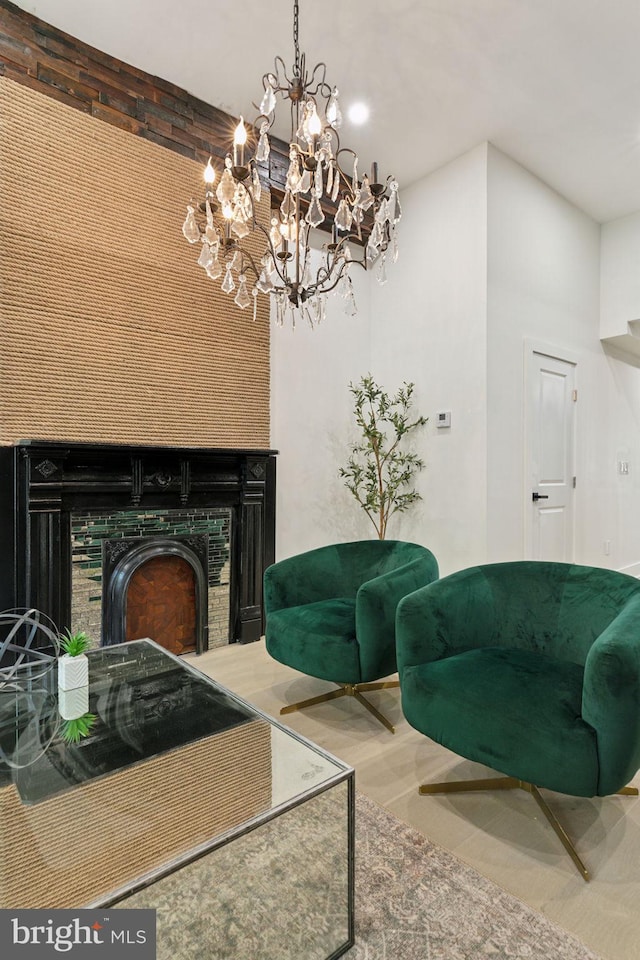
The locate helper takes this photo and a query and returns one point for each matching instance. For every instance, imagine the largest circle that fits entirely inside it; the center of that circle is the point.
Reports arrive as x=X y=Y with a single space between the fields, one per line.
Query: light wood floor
x=502 y=834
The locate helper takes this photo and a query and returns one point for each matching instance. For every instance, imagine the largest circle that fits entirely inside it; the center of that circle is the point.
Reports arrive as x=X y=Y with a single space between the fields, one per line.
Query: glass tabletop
x=147 y=702
x=174 y=765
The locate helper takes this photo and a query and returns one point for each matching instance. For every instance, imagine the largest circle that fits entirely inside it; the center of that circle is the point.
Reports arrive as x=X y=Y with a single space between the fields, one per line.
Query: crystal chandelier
x=323 y=188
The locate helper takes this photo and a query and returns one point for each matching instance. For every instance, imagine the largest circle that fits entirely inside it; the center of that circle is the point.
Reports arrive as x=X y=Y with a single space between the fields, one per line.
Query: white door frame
x=555 y=352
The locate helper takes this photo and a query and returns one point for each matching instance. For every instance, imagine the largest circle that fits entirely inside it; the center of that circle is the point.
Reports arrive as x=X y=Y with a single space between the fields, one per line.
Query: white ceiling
x=553 y=83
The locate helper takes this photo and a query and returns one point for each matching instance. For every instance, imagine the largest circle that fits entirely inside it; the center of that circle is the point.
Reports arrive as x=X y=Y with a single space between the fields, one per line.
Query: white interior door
x=550 y=458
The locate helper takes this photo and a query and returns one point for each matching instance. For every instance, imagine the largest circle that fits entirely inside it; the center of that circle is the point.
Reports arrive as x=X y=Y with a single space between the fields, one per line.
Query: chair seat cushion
x=517 y=711
x=318 y=639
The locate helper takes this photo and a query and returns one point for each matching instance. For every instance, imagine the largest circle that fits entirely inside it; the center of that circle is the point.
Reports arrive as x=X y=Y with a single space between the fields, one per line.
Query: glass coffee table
x=185 y=799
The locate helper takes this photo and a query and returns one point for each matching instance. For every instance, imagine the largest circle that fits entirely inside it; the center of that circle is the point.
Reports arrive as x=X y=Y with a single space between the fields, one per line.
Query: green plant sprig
x=74 y=730
x=377 y=471
x=74 y=644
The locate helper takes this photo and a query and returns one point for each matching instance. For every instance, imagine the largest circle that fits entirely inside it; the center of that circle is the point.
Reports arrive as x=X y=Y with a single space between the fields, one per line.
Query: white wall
x=489 y=257
x=619 y=275
x=544 y=257
x=310 y=422
x=429 y=327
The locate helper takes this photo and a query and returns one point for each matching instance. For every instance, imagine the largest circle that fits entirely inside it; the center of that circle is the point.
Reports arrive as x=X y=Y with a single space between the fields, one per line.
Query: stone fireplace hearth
x=186 y=533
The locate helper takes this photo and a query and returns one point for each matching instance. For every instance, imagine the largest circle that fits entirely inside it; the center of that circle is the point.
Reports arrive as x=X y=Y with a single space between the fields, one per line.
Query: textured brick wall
x=110 y=330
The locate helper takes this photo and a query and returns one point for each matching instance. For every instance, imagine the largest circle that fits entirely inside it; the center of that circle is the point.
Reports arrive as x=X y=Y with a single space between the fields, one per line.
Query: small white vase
x=73 y=703
x=73 y=672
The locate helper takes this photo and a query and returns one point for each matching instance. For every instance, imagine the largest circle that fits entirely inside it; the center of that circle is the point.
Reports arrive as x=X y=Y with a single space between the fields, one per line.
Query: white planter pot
x=73 y=703
x=73 y=672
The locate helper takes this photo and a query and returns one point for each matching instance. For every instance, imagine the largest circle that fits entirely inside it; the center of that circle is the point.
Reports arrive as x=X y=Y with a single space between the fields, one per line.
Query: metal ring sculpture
x=29 y=645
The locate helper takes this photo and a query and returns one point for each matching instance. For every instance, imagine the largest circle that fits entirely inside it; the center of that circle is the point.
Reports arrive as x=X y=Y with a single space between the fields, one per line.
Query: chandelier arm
x=246 y=254
x=314 y=288
x=321 y=85
x=280 y=70
x=348 y=179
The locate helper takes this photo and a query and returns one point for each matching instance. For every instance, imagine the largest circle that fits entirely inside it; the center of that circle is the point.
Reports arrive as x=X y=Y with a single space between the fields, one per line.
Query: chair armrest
x=305 y=578
x=611 y=698
x=445 y=618
x=376 y=605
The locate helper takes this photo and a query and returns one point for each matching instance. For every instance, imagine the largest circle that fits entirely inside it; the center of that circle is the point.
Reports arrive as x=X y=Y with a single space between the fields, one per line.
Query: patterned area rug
x=416 y=901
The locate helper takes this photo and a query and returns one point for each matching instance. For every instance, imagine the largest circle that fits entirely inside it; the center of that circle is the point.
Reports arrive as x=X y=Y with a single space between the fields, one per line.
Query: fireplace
x=118 y=539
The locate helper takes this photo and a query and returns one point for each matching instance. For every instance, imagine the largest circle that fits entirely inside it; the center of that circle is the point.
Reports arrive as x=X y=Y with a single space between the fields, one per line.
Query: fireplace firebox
x=45 y=486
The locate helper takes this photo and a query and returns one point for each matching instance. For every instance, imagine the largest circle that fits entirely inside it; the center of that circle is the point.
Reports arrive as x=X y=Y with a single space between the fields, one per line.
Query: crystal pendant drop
x=226 y=189
x=264 y=147
x=254 y=294
x=256 y=186
x=306 y=274
x=206 y=257
x=293 y=174
x=366 y=197
x=274 y=233
x=395 y=251
x=214 y=269
x=343 y=218
x=381 y=273
x=329 y=179
x=288 y=207
x=315 y=216
x=280 y=303
x=190 y=227
x=305 y=182
x=228 y=284
x=317 y=181
x=394 y=202
x=242 y=298
x=334 y=114
x=264 y=281
x=240 y=228
x=336 y=183
x=268 y=103
x=376 y=235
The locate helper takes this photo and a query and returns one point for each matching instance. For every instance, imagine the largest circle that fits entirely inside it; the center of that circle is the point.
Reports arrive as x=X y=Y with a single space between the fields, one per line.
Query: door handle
x=539 y=496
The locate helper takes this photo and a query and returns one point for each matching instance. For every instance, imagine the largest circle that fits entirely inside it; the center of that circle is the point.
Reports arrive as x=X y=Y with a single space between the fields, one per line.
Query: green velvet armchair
x=531 y=668
x=331 y=613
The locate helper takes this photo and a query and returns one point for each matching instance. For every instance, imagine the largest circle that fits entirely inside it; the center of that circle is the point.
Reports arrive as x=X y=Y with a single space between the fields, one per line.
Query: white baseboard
x=633 y=569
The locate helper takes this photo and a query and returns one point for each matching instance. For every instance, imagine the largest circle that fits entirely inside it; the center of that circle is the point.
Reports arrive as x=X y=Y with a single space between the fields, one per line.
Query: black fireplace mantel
x=43 y=482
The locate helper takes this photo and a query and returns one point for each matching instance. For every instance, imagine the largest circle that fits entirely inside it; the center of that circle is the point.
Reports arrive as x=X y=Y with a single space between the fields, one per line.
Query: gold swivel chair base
x=349 y=690
x=511 y=783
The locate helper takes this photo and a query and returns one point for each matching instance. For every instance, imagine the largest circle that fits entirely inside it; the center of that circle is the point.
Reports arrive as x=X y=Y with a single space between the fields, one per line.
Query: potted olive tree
x=379 y=471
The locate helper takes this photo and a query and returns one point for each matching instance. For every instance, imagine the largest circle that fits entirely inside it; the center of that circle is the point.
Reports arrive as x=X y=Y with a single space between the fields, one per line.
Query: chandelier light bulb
x=240 y=134
x=209 y=173
x=239 y=140
x=314 y=124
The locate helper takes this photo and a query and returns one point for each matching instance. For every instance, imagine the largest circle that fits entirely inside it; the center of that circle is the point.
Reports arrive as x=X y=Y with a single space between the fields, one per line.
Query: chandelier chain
x=296 y=21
